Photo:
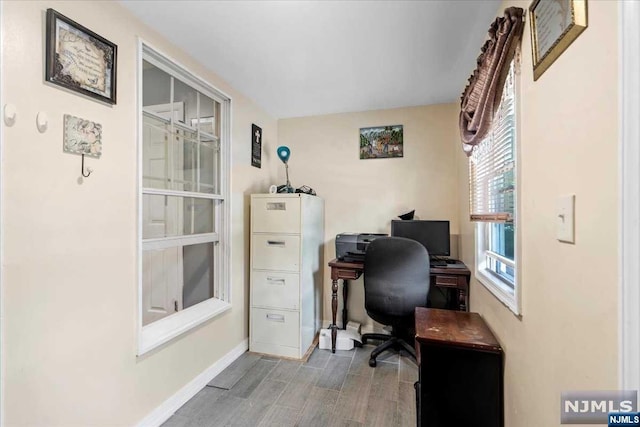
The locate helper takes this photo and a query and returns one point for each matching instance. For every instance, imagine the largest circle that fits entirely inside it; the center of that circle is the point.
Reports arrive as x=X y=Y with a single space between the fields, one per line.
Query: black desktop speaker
x=408 y=215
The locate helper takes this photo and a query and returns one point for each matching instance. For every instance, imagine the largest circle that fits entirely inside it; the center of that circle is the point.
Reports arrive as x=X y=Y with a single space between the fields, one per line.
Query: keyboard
x=458 y=265
x=446 y=263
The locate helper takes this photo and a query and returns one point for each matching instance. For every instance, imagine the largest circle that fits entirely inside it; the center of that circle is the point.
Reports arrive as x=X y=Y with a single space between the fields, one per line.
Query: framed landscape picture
x=381 y=142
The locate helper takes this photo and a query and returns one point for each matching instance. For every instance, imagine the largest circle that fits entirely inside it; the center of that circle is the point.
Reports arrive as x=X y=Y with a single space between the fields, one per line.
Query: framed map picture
x=80 y=60
x=381 y=142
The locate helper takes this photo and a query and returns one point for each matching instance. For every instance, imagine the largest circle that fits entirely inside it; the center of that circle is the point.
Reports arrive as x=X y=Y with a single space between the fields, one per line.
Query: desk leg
x=463 y=301
x=334 y=312
x=345 y=295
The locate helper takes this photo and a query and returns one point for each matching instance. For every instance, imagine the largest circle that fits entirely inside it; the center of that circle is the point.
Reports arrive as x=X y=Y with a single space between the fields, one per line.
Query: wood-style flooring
x=328 y=390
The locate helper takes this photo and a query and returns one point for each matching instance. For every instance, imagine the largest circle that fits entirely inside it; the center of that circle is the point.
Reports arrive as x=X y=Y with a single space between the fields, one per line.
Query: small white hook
x=10 y=113
x=42 y=122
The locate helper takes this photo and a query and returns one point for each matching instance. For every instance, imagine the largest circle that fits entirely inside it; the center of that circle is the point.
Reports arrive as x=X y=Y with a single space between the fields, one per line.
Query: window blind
x=491 y=166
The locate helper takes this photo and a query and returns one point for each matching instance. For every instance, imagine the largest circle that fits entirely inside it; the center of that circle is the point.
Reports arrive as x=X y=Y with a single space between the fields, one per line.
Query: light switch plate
x=565 y=218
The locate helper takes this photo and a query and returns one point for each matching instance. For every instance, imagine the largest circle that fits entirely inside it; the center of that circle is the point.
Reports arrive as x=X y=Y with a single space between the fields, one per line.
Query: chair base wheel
x=372 y=363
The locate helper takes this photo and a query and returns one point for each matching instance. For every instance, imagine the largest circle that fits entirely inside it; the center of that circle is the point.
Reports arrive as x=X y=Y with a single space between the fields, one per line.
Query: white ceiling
x=302 y=58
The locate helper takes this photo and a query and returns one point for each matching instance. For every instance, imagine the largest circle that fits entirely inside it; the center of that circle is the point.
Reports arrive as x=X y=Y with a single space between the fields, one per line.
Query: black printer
x=350 y=247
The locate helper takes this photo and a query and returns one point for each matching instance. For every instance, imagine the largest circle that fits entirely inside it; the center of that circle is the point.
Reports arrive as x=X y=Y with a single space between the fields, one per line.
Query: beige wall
x=365 y=195
x=69 y=247
x=566 y=338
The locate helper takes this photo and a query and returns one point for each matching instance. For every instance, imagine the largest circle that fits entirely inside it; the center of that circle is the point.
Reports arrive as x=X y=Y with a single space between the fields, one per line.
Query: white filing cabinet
x=287 y=233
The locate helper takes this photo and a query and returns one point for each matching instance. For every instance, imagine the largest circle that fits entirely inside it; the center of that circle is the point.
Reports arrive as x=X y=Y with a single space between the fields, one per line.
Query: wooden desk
x=441 y=277
x=459 y=370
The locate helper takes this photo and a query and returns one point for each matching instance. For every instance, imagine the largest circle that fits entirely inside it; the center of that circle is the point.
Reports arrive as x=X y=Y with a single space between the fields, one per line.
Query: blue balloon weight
x=284 y=153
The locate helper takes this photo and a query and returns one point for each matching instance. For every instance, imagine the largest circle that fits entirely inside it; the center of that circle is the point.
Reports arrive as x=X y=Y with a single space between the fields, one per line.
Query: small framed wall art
x=555 y=24
x=82 y=137
x=80 y=60
x=381 y=142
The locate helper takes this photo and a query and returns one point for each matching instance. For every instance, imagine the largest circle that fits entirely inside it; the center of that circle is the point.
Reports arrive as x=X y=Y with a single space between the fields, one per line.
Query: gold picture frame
x=555 y=24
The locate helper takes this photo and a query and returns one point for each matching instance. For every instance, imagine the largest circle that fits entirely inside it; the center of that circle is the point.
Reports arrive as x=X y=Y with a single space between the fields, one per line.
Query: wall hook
x=82 y=169
x=9 y=114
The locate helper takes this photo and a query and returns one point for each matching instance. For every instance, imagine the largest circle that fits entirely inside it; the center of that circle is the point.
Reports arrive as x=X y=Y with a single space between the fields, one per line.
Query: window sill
x=499 y=289
x=164 y=330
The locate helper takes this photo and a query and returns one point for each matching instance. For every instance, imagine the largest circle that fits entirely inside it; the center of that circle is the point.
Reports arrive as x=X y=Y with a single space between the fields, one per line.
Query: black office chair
x=396 y=281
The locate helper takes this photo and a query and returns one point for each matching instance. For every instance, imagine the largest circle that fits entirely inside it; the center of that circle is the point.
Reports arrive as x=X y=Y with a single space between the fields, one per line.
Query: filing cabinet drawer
x=276 y=252
x=275 y=327
x=275 y=289
x=269 y=215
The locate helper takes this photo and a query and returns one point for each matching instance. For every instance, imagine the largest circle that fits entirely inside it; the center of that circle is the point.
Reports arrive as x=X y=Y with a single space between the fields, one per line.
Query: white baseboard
x=163 y=412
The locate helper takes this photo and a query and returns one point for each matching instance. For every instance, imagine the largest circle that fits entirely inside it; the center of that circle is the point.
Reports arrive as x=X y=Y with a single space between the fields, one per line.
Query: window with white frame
x=184 y=200
x=492 y=178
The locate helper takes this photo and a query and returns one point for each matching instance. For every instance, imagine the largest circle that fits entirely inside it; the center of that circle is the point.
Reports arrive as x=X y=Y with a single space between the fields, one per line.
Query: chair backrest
x=396 y=278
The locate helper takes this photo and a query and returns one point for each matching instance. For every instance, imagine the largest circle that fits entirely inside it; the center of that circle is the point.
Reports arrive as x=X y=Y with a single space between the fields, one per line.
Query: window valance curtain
x=481 y=97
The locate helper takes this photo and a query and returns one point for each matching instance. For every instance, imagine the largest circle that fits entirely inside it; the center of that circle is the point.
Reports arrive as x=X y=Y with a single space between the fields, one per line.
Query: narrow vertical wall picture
x=82 y=136
x=381 y=142
x=256 y=146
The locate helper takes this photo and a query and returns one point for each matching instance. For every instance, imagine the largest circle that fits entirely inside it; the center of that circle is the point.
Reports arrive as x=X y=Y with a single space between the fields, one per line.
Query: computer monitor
x=434 y=235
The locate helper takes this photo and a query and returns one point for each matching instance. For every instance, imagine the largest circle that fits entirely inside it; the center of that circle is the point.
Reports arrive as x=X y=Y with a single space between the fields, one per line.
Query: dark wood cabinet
x=460 y=366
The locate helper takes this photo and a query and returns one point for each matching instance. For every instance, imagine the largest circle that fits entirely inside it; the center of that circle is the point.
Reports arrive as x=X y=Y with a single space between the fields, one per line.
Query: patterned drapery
x=481 y=97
